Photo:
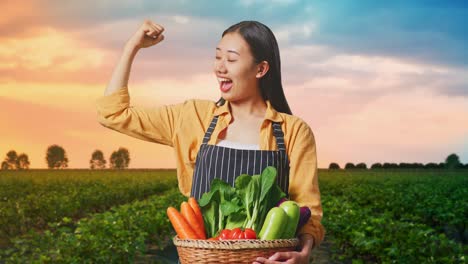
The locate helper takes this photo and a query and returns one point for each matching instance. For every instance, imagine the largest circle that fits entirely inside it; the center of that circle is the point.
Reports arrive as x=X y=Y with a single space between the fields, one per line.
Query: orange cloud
x=31 y=128
x=17 y=18
x=70 y=96
x=50 y=56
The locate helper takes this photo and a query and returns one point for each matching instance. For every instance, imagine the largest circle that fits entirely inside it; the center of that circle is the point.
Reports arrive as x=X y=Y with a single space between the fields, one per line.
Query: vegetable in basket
x=292 y=211
x=196 y=209
x=188 y=223
x=274 y=225
x=305 y=214
x=281 y=222
x=236 y=233
x=245 y=205
x=192 y=219
x=181 y=226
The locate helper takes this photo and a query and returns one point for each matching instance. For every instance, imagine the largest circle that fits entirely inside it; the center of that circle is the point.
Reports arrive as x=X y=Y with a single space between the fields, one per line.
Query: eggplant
x=305 y=214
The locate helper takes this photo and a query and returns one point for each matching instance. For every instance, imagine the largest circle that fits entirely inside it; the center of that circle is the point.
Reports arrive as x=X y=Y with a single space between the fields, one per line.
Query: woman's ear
x=263 y=68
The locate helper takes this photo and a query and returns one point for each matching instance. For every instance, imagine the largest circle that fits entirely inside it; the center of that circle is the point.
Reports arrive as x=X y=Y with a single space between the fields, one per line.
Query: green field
x=399 y=216
x=371 y=216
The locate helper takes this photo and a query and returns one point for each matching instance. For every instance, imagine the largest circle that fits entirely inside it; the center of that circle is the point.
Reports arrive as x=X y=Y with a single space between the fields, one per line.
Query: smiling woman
x=253 y=49
x=252 y=111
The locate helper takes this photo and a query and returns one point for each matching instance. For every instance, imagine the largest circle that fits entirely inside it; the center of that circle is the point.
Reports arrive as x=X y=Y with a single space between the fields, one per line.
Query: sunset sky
x=376 y=81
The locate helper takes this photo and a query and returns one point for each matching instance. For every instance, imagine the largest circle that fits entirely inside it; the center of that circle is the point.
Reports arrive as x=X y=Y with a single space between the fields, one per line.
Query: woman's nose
x=219 y=66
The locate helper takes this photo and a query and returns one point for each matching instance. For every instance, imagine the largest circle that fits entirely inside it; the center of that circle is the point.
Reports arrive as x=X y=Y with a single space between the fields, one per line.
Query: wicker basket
x=230 y=251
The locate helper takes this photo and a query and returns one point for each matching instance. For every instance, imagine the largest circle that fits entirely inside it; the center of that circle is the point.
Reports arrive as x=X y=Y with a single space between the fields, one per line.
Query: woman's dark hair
x=263 y=45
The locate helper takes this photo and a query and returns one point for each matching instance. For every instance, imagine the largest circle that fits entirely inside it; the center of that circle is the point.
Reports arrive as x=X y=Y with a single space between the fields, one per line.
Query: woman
x=221 y=139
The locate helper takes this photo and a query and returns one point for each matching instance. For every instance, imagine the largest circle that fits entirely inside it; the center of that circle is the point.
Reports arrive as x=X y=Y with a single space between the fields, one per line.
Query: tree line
x=56 y=158
x=451 y=162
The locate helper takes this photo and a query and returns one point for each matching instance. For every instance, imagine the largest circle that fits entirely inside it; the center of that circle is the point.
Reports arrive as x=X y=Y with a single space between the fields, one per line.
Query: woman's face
x=236 y=69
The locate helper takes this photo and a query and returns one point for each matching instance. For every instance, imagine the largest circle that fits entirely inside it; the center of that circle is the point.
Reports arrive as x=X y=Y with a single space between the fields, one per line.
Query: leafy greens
x=245 y=205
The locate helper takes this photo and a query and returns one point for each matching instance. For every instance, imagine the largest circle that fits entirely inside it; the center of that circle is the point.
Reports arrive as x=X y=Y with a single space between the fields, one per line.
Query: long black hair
x=263 y=45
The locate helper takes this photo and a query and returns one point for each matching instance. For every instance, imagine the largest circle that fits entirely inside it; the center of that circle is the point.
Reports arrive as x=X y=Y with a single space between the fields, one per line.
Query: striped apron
x=227 y=163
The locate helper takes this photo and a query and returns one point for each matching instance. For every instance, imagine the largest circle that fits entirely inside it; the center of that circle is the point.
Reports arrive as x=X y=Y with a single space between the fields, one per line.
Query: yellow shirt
x=183 y=126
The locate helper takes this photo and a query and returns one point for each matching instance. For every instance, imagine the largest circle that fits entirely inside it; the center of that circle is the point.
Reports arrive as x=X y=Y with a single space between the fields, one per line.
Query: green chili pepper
x=274 y=224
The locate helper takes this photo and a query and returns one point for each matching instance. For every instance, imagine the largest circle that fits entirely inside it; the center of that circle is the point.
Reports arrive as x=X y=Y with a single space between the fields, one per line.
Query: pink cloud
x=403 y=127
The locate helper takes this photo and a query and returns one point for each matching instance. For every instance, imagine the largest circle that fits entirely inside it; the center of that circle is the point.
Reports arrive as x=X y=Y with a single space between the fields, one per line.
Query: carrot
x=191 y=218
x=180 y=225
x=196 y=209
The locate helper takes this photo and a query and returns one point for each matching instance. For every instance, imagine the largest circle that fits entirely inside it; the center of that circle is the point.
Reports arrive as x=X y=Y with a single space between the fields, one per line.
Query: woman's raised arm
x=155 y=124
x=147 y=35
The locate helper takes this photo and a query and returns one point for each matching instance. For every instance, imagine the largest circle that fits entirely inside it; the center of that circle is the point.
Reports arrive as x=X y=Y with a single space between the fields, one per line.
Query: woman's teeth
x=224 y=80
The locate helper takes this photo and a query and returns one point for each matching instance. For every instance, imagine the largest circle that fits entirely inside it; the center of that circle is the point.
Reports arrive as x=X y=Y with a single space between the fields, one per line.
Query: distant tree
x=361 y=166
x=452 y=161
x=376 y=166
x=387 y=165
x=349 y=165
x=404 y=165
x=119 y=159
x=431 y=165
x=56 y=157
x=97 y=160
x=23 y=162
x=11 y=161
x=414 y=165
x=334 y=166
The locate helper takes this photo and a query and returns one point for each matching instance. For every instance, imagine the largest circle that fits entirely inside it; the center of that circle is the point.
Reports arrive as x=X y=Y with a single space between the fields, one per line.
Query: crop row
x=35 y=199
x=115 y=236
x=404 y=217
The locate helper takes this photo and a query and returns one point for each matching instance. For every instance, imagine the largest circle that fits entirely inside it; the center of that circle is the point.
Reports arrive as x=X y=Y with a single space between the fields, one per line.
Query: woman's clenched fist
x=147 y=35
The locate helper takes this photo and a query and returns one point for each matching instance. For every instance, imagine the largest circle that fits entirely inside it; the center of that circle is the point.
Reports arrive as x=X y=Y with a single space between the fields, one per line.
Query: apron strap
x=209 y=131
x=279 y=135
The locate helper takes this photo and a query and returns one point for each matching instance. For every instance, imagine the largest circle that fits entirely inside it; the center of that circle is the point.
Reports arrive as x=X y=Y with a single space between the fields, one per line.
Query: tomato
x=225 y=234
x=249 y=233
x=237 y=233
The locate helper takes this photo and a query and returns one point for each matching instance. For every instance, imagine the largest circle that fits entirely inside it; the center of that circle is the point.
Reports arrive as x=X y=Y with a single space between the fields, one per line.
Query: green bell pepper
x=275 y=222
x=293 y=212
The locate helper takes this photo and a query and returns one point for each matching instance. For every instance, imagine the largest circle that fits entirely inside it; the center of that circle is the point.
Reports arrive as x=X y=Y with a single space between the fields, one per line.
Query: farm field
x=32 y=199
x=396 y=216
x=371 y=216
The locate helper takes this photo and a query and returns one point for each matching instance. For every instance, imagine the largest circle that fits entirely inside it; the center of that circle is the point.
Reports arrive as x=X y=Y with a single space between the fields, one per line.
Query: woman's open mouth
x=225 y=84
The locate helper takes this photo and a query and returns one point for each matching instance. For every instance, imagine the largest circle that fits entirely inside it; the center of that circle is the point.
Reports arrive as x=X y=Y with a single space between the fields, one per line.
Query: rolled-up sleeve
x=154 y=124
x=304 y=188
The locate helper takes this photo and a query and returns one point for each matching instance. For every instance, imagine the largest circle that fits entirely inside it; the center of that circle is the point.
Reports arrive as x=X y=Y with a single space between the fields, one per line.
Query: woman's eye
x=218 y=58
